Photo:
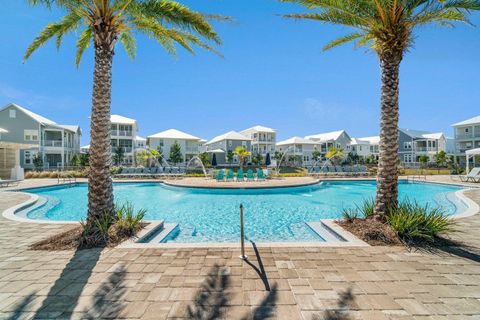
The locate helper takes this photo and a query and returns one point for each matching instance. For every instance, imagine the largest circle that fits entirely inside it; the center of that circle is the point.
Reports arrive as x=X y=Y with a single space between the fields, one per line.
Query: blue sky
x=274 y=74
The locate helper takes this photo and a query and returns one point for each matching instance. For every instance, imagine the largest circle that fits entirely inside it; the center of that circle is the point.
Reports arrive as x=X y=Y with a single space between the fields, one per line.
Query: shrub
x=127 y=220
x=413 y=222
x=350 y=214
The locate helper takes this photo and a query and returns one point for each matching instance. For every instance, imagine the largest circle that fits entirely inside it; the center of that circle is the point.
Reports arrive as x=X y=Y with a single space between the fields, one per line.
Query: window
x=28 y=157
x=407 y=145
x=407 y=158
x=30 y=135
x=244 y=144
x=229 y=143
x=12 y=113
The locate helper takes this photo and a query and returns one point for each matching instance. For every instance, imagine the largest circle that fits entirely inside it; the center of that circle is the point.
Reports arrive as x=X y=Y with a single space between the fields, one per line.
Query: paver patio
x=279 y=283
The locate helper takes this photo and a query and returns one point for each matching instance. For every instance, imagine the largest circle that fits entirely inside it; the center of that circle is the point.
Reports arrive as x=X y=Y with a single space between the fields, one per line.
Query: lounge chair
x=331 y=171
x=230 y=175
x=473 y=175
x=8 y=183
x=250 y=176
x=220 y=176
x=240 y=175
x=260 y=175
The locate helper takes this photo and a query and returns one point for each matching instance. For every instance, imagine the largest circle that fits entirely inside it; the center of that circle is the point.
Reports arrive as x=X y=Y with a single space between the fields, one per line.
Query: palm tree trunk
x=387 y=176
x=100 y=191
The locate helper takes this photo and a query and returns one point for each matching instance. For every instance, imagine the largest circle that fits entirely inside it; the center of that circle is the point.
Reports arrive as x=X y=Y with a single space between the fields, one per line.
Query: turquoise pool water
x=211 y=215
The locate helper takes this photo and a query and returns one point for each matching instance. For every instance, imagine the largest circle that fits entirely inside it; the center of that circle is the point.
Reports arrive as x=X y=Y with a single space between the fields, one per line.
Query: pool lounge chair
x=220 y=176
x=240 y=175
x=260 y=175
x=331 y=171
x=250 y=176
x=8 y=183
x=473 y=175
x=230 y=175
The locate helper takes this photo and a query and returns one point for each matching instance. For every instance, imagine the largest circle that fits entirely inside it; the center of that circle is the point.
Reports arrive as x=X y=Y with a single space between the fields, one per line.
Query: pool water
x=212 y=215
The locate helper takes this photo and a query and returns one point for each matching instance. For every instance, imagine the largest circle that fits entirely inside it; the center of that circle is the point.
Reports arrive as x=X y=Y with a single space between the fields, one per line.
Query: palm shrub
x=414 y=222
x=127 y=219
x=387 y=28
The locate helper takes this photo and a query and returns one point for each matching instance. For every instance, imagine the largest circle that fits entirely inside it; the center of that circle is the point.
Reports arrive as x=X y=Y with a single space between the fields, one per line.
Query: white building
x=414 y=143
x=189 y=144
x=302 y=149
x=223 y=144
x=338 y=139
x=365 y=146
x=467 y=136
x=263 y=140
x=122 y=134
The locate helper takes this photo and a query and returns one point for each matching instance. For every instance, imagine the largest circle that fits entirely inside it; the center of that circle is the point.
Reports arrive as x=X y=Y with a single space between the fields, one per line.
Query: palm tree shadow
x=452 y=247
x=212 y=298
x=63 y=296
x=345 y=300
x=21 y=307
x=107 y=300
x=266 y=308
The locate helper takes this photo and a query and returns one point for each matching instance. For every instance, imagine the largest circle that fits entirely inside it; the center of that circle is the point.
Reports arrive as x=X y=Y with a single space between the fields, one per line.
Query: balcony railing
x=52 y=143
x=121 y=133
x=425 y=149
x=191 y=150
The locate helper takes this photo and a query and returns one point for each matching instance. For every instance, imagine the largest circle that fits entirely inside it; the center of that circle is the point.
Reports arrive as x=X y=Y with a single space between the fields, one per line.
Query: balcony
x=121 y=133
x=426 y=149
x=52 y=143
x=191 y=150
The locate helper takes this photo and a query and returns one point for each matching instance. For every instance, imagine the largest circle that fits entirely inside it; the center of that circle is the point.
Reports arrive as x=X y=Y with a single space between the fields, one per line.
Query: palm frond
x=343 y=40
x=82 y=44
x=129 y=43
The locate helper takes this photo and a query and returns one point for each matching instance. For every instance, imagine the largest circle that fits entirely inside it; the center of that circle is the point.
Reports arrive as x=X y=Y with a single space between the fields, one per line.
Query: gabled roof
x=231 y=135
x=70 y=127
x=371 y=140
x=138 y=138
x=296 y=140
x=473 y=120
x=115 y=118
x=419 y=134
x=356 y=141
x=31 y=114
x=260 y=129
x=3 y=130
x=174 y=134
x=328 y=136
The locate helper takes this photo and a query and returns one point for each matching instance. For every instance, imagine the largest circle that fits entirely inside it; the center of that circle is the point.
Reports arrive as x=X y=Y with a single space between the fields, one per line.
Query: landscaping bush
x=411 y=222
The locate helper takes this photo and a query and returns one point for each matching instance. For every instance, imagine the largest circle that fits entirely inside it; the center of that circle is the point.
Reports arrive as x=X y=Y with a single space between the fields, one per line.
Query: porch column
x=17 y=172
x=63 y=149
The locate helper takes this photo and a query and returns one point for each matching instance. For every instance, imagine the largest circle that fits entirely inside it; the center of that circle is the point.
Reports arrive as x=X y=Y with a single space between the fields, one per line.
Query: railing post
x=242 y=235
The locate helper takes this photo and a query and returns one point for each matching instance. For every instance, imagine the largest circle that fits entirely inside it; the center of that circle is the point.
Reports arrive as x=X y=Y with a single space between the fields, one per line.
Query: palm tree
x=104 y=23
x=334 y=154
x=386 y=27
x=242 y=154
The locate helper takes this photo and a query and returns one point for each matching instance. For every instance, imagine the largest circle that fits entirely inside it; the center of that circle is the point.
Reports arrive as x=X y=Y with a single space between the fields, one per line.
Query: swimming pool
x=211 y=215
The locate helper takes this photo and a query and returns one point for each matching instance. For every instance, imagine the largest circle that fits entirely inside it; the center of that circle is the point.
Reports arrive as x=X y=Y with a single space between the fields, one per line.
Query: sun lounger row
x=338 y=171
x=241 y=176
x=156 y=172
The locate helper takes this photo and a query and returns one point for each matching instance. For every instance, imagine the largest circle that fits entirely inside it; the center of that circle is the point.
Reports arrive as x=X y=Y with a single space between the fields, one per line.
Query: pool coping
x=229 y=187
x=351 y=240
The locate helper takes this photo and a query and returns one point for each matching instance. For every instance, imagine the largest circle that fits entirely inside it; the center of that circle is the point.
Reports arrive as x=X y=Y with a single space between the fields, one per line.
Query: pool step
x=167 y=228
x=325 y=232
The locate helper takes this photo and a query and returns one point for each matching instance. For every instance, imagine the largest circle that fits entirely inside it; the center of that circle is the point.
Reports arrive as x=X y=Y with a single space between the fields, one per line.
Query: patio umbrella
x=267 y=159
x=214 y=160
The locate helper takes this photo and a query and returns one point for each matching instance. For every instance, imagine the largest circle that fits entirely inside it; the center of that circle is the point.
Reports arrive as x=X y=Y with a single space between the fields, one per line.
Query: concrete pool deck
x=199 y=283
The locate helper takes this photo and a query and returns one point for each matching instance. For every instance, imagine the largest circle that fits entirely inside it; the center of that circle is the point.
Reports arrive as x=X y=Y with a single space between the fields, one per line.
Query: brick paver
x=304 y=283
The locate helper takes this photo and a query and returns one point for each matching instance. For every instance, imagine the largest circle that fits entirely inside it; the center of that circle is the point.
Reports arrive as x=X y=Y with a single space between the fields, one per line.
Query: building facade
x=338 y=139
x=222 y=145
x=189 y=144
x=467 y=136
x=123 y=133
x=55 y=144
x=414 y=143
x=263 y=140
x=298 y=151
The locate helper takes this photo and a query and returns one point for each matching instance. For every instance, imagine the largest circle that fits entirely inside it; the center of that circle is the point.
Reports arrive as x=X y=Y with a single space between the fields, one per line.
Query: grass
x=411 y=223
x=427 y=172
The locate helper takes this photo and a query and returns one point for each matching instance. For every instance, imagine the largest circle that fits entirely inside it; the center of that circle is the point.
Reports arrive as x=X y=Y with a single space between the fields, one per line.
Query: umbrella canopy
x=267 y=159
x=214 y=160
x=470 y=154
